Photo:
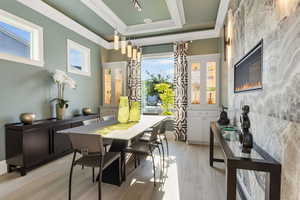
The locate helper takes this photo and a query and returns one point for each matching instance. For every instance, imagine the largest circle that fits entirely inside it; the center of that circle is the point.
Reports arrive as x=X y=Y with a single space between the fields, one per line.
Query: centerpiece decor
x=135 y=113
x=62 y=81
x=123 y=114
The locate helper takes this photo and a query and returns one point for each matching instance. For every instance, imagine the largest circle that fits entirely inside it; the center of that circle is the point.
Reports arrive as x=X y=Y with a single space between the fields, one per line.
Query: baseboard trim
x=3 y=167
x=200 y=143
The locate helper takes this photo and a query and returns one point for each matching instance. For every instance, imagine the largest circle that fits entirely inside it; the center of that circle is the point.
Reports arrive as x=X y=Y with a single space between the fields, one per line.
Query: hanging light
x=116 y=40
x=129 y=50
x=123 y=45
x=139 y=55
x=134 y=53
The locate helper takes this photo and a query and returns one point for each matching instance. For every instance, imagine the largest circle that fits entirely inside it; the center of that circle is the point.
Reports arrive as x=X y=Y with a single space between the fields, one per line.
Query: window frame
x=87 y=58
x=37 y=40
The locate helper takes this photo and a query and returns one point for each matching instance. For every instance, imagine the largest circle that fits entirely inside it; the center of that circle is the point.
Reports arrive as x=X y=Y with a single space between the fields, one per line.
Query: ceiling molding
x=176 y=11
x=65 y=21
x=197 y=35
x=102 y=10
x=222 y=11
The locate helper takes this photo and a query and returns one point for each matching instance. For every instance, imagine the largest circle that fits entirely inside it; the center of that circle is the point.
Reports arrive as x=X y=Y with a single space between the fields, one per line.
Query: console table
x=259 y=161
x=29 y=146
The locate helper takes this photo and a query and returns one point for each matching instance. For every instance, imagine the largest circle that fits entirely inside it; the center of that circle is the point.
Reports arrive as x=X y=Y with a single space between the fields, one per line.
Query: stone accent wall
x=275 y=110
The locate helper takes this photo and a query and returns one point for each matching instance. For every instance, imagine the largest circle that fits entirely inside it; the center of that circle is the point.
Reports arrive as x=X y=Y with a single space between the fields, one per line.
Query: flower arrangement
x=62 y=81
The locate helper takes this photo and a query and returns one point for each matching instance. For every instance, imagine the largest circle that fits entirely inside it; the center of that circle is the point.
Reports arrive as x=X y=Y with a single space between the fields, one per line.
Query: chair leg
x=100 y=181
x=153 y=164
x=70 y=178
x=163 y=154
x=135 y=161
x=167 y=144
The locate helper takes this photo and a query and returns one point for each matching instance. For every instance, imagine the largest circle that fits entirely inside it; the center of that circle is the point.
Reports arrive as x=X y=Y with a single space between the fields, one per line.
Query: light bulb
x=129 y=50
x=116 y=40
x=134 y=53
x=123 y=45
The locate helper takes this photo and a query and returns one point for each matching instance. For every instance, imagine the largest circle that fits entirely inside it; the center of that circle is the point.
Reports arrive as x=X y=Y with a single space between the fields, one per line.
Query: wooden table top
x=146 y=122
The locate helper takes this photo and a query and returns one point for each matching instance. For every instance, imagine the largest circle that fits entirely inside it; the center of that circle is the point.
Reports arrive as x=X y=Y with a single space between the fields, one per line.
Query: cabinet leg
x=23 y=171
x=211 y=148
x=9 y=168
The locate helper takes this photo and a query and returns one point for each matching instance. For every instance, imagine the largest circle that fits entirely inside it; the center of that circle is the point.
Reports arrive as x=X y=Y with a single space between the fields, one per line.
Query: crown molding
x=65 y=21
x=102 y=10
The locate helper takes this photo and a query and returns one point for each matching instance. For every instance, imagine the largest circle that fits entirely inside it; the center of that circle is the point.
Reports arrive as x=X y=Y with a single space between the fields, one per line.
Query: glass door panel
x=211 y=82
x=118 y=85
x=107 y=86
x=195 y=83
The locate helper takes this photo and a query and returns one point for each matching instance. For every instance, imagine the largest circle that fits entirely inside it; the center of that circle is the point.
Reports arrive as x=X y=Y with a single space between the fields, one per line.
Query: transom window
x=20 y=40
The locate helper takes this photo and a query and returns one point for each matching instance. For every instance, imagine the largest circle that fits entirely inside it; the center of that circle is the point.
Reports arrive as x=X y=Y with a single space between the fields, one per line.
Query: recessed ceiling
x=156 y=10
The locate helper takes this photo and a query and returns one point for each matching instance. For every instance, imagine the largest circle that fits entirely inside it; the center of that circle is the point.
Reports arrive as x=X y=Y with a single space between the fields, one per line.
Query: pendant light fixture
x=116 y=40
x=134 y=53
x=123 y=45
x=129 y=50
x=139 y=55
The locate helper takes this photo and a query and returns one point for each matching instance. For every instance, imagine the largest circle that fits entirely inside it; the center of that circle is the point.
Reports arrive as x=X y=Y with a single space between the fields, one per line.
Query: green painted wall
x=206 y=46
x=25 y=88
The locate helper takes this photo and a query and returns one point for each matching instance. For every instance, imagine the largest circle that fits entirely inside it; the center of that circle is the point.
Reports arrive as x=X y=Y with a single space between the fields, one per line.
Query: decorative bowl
x=27 y=118
x=87 y=111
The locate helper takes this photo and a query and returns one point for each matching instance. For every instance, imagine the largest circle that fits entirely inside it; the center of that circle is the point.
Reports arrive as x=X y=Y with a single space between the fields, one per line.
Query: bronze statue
x=246 y=137
x=223 y=117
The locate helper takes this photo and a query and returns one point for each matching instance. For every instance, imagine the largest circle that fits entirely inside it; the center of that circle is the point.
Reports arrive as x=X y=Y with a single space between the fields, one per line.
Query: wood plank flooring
x=187 y=177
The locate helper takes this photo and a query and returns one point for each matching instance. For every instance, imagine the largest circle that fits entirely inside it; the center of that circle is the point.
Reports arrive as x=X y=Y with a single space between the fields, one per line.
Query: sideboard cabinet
x=29 y=146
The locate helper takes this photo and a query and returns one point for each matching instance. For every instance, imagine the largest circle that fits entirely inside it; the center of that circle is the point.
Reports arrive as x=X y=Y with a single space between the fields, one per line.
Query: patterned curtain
x=181 y=89
x=134 y=80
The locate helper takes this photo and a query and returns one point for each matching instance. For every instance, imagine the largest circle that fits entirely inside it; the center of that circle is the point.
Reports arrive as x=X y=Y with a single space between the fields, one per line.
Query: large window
x=154 y=71
x=20 y=40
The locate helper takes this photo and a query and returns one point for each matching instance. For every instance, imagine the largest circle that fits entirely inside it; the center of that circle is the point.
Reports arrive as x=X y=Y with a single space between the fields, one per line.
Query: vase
x=27 y=118
x=60 y=112
x=123 y=114
x=134 y=114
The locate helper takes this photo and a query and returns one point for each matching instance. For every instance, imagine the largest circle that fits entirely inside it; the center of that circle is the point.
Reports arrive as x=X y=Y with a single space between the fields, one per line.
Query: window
x=20 y=40
x=156 y=69
x=79 y=59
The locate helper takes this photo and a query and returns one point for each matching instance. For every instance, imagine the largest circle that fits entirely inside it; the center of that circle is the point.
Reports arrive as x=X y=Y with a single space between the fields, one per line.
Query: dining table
x=121 y=136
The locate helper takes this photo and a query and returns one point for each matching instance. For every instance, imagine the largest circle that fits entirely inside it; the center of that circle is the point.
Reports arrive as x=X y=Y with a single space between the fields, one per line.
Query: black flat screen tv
x=248 y=71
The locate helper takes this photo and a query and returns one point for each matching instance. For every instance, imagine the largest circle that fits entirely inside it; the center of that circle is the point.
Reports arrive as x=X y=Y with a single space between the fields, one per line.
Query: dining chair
x=139 y=148
x=92 y=155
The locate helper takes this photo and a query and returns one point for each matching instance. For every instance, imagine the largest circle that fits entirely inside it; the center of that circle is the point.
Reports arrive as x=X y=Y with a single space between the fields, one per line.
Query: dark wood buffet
x=29 y=146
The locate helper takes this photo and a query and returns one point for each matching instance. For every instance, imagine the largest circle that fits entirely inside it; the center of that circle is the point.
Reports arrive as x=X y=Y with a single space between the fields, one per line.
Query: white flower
x=69 y=82
x=59 y=76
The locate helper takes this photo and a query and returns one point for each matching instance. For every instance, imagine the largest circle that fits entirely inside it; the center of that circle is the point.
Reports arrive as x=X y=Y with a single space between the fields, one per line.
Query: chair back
x=155 y=132
x=87 y=143
x=91 y=121
x=162 y=128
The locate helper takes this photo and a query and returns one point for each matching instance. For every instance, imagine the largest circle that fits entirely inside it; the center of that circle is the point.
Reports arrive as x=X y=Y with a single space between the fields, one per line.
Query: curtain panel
x=181 y=89
x=134 y=81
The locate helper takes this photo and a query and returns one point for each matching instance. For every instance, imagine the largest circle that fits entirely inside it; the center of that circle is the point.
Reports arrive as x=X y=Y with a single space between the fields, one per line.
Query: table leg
x=211 y=148
x=123 y=165
x=273 y=183
x=231 y=181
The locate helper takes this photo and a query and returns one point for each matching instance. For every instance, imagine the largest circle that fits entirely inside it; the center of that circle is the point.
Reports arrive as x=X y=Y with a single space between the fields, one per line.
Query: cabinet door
x=61 y=142
x=36 y=146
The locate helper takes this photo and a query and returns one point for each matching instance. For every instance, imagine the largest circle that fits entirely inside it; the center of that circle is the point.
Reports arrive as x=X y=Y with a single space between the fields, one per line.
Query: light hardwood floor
x=187 y=177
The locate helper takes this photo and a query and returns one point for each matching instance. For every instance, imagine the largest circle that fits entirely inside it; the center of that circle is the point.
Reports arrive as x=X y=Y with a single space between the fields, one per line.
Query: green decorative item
x=123 y=114
x=135 y=114
x=166 y=95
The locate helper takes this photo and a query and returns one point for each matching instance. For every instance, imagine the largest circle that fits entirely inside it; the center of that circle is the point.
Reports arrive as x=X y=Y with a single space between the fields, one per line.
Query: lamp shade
x=123 y=45
x=116 y=40
x=123 y=113
x=129 y=50
x=134 y=53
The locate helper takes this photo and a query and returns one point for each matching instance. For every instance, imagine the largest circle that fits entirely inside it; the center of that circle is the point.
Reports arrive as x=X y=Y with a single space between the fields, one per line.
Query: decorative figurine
x=27 y=118
x=246 y=137
x=223 y=117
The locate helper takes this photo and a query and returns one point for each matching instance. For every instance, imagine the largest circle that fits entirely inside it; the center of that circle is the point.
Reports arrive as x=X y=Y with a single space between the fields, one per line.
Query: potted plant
x=62 y=81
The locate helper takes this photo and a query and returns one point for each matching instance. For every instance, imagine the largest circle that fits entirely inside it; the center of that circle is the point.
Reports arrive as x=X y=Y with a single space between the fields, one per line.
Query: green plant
x=166 y=95
x=61 y=102
x=153 y=80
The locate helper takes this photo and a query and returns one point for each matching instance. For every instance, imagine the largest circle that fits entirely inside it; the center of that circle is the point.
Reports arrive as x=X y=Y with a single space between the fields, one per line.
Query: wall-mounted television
x=248 y=71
